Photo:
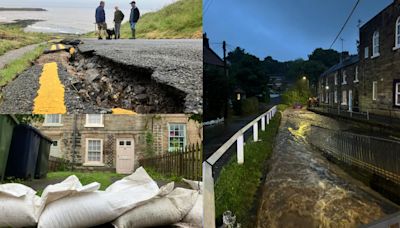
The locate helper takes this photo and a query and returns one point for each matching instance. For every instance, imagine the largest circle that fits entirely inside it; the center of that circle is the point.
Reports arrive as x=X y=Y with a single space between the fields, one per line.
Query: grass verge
x=8 y=73
x=237 y=185
x=180 y=20
x=13 y=37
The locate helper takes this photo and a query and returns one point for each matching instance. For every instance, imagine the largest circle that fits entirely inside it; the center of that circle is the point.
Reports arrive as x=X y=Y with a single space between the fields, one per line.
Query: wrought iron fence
x=186 y=163
x=376 y=155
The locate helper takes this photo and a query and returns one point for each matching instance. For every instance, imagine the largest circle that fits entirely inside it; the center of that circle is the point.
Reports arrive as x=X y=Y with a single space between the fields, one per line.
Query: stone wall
x=119 y=127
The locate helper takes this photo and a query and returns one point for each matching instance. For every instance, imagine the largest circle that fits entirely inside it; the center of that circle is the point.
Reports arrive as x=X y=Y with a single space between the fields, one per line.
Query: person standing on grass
x=135 y=15
x=101 y=19
x=118 y=18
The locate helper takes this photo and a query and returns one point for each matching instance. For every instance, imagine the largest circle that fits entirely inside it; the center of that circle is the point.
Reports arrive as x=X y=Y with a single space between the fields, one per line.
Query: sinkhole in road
x=109 y=84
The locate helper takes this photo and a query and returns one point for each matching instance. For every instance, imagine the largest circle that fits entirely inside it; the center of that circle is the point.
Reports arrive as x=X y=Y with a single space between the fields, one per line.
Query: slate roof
x=346 y=62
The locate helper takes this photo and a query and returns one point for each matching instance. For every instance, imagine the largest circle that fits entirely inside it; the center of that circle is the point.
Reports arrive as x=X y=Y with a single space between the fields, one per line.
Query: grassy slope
x=236 y=187
x=11 y=70
x=13 y=36
x=180 y=20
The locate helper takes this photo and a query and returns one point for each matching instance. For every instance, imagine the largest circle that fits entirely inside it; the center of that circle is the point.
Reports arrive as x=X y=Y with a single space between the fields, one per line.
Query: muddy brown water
x=304 y=189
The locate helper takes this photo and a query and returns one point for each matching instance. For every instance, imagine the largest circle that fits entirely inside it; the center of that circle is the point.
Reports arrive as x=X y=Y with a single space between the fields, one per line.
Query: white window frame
x=344 y=77
x=356 y=75
x=374 y=90
x=335 y=96
x=52 y=147
x=327 y=97
x=170 y=149
x=366 y=52
x=93 y=163
x=375 y=45
x=397 y=35
x=46 y=122
x=336 y=81
x=101 y=124
x=396 y=94
x=344 y=97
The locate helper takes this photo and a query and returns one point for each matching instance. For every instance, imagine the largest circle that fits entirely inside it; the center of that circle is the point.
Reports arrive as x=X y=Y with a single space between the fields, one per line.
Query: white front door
x=350 y=100
x=125 y=156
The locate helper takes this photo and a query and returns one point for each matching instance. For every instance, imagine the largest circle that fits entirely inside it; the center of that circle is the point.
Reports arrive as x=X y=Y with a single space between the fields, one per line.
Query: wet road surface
x=303 y=189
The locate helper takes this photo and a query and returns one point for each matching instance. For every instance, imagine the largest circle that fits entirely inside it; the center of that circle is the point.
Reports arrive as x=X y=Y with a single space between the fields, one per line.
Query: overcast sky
x=146 y=5
x=286 y=29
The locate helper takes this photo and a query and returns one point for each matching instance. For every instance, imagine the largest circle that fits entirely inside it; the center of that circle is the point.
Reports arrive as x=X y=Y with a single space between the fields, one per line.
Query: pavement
x=12 y=55
x=177 y=63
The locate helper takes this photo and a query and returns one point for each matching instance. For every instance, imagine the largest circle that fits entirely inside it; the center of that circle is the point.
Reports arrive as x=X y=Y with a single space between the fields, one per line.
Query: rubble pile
x=111 y=85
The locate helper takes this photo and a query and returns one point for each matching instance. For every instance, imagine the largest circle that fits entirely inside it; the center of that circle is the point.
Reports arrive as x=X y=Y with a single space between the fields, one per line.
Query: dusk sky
x=286 y=29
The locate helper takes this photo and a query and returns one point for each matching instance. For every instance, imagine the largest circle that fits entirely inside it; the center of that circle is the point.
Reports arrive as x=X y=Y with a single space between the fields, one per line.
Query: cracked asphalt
x=177 y=63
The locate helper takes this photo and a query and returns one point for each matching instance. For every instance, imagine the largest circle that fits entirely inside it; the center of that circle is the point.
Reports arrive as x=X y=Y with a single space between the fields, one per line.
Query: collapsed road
x=142 y=76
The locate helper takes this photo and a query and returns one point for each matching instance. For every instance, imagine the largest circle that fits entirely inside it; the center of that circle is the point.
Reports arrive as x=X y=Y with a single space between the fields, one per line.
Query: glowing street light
x=304 y=77
x=326 y=87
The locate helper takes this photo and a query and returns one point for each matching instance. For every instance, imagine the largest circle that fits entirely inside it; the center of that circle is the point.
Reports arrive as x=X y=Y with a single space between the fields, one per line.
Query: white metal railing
x=208 y=179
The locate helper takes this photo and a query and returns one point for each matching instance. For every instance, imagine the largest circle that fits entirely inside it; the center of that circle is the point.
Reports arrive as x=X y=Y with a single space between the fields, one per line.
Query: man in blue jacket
x=135 y=15
x=101 y=20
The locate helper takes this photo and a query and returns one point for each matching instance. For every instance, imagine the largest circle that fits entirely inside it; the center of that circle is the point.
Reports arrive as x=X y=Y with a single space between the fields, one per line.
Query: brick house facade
x=373 y=77
x=98 y=137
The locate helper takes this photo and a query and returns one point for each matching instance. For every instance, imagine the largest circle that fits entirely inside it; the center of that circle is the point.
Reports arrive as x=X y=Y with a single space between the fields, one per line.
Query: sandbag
x=195 y=216
x=86 y=209
x=196 y=185
x=19 y=206
x=160 y=211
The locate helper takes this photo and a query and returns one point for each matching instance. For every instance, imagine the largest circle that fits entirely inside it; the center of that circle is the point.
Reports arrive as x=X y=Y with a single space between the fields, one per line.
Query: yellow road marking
x=72 y=51
x=120 y=111
x=53 y=47
x=50 y=98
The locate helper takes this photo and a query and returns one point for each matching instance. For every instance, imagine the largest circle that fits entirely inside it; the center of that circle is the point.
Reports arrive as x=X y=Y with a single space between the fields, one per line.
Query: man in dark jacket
x=101 y=19
x=135 y=15
x=118 y=18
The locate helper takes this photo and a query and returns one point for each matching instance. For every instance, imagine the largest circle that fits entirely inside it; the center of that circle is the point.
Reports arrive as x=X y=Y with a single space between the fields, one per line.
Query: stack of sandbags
x=182 y=207
x=195 y=216
x=90 y=208
x=19 y=206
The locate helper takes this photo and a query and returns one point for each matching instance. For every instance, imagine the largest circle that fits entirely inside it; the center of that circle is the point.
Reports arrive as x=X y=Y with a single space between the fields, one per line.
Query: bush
x=298 y=94
x=246 y=107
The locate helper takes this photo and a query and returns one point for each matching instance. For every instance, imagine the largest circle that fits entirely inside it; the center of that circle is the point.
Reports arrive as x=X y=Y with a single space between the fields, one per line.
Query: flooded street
x=304 y=189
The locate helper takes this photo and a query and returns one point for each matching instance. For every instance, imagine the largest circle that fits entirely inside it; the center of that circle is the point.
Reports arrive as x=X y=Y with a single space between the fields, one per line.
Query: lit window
x=94 y=120
x=397 y=93
x=176 y=137
x=356 y=75
x=94 y=150
x=52 y=120
x=344 y=97
x=374 y=90
x=366 y=53
x=375 y=44
x=397 y=39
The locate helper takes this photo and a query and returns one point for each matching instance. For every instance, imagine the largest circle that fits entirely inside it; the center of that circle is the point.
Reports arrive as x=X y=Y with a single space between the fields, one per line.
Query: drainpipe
x=74 y=131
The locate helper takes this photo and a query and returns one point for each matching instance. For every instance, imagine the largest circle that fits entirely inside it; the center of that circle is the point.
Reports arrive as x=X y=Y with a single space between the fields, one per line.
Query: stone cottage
x=370 y=81
x=117 y=142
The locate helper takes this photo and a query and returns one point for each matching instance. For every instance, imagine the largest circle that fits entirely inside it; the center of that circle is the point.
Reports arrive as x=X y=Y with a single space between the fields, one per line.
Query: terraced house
x=370 y=82
x=117 y=142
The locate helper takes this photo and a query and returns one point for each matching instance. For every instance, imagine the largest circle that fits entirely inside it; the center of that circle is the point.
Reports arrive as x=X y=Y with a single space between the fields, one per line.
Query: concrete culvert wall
x=108 y=84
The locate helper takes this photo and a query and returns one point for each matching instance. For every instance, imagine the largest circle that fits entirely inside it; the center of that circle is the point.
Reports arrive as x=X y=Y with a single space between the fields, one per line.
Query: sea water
x=74 y=16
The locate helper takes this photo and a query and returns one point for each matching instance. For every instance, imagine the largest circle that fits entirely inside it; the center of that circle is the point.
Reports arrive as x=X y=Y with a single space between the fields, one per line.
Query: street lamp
x=304 y=77
x=327 y=87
